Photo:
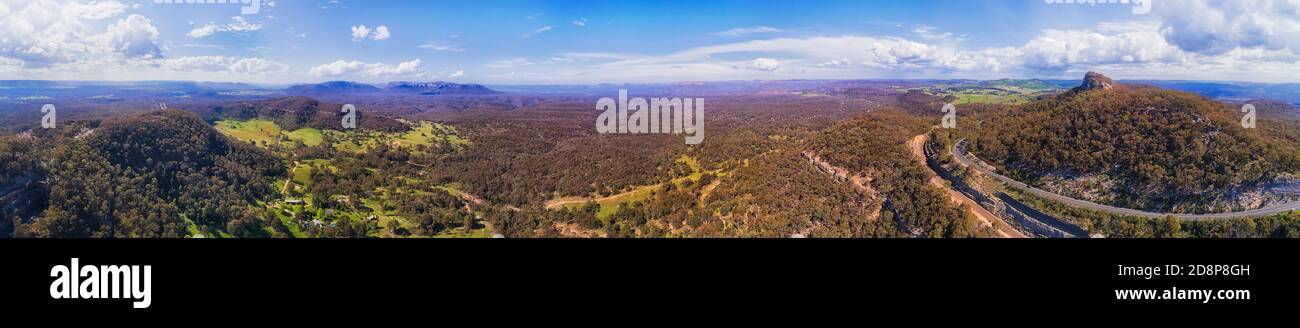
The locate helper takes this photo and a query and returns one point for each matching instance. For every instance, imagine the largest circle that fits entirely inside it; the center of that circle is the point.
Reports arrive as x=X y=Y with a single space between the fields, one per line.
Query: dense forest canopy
x=144 y=175
x=1159 y=147
x=841 y=160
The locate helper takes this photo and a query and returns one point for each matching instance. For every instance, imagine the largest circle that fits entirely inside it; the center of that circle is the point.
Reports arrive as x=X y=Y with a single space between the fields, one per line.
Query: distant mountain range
x=1239 y=91
x=419 y=88
x=439 y=88
x=330 y=88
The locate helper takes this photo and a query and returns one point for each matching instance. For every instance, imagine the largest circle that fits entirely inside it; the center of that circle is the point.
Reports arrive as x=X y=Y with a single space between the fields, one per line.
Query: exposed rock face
x=1094 y=81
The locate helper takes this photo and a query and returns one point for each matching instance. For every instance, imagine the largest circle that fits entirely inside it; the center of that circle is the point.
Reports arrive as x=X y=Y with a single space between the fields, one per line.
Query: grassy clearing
x=302 y=175
x=424 y=134
x=609 y=205
x=266 y=133
x=988 y=92
x=309 y=136
x=261 y=132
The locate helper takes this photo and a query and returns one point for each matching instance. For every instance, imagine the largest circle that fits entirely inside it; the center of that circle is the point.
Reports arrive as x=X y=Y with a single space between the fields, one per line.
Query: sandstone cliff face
x=1094 y=80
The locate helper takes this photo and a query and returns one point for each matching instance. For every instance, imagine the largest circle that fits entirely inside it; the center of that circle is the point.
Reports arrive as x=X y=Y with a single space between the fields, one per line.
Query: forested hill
x=1139 y=146
x=296 y=112
x=156 y=174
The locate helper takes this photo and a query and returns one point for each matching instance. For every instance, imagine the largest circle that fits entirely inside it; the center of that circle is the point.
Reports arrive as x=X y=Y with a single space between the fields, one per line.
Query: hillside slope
x=148 y=175
x=1138 y=147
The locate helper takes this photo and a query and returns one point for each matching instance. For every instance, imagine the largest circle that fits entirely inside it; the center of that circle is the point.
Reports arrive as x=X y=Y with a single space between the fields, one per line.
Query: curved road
x=917 y=145
x=959 y=152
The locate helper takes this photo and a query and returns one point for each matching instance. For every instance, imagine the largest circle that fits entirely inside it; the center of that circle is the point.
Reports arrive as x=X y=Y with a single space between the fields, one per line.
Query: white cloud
x=97 y=10
x=381 y=33
x=360 y=32
x=48 y=32
x=196 y=63
x=580 y=22
x=440 y=47
x=370 y=70
x=203 y=31
x=930 y=33
x=766 y=64
x=10 y=63
x=134 y=36
x=835 y=63
x=539 y=30
x=747 y=30
x=237 y=25
x=458 y=73
x=1111 y=44
x=257 y=66
x=1217 y=27
x=235 y=65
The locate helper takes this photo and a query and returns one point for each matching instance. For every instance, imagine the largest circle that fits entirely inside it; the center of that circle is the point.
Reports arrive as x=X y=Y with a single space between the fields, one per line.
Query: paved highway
x=959 y=152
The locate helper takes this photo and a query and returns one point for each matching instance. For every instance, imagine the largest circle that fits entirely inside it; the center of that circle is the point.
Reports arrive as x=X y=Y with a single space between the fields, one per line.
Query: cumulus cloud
x=134 y=36
x=835 y=63
x=49 y=32
x=458 y=73
x=257 y=66
x=371 y=70
x=1137 y=43
x=1217 y=27
x=360 y=32
x=381 y=33
x=766 y=64
x=97 y=10
x=237 y=25
x=204 y=31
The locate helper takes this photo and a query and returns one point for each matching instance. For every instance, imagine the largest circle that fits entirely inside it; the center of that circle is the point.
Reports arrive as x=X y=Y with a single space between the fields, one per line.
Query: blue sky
x=611 y=41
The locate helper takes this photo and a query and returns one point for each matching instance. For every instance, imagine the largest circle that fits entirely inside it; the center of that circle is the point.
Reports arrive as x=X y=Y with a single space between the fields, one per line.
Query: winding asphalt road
x=959 y=152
